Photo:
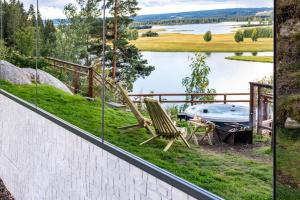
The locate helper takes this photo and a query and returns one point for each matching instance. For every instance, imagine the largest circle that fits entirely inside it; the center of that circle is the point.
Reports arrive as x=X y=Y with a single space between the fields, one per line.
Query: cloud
x=51 y=9
x=48 y=3
x=52 y=12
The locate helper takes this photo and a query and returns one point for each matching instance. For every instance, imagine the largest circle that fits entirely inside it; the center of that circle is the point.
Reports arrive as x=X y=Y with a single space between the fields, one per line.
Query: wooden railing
x=260 y=100
x=192 y=97
x=77 y=71
x=87 y=72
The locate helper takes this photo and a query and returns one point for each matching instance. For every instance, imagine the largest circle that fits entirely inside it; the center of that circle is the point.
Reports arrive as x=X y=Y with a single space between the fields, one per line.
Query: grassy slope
x=226 y=174
x=287 y=163
x=265 y=59
x=194 y=43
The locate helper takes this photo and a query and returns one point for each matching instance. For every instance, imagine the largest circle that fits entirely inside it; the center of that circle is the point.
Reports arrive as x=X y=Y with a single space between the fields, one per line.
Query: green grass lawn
x=176 y=42
x=229 y=174
x=288 y=164
x=264 y=59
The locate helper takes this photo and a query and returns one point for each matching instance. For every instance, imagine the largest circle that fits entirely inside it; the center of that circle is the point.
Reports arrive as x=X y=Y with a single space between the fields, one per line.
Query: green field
x=176 y=42
x=288 y=164
x=230 y=174
x=264 y=59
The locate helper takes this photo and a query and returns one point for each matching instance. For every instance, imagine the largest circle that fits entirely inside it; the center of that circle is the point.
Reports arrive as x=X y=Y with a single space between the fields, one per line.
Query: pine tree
x=14 y=19
x=129 y=63
x=31 y=16
x=49 y=39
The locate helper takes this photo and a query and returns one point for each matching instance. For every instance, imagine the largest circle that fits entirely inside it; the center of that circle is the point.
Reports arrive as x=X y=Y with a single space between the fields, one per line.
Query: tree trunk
x=114 y=62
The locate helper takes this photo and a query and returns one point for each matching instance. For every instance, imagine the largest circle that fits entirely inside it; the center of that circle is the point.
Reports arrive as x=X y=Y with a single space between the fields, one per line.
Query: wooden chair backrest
x=160 y=119
x=131 y=105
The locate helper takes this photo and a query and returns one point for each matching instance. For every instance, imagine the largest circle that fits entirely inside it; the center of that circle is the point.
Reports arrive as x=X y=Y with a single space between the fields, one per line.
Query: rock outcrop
x=22 y=76
x=13 y=74
x=45 y=78
x=292 y=124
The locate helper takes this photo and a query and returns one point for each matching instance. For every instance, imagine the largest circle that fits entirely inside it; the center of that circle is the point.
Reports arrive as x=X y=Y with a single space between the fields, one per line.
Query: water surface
x=226 y=75
x=215 y=28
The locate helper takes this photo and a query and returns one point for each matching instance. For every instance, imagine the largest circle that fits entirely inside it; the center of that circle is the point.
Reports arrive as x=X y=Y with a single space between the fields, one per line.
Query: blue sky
x=53 y=8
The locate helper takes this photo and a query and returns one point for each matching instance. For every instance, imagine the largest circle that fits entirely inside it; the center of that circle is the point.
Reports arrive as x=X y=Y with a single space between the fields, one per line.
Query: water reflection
x=226 y=75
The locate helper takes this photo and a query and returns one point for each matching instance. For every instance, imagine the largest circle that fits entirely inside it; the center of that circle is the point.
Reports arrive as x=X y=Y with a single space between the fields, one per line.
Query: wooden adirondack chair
x=163 y=124
x=142 y=121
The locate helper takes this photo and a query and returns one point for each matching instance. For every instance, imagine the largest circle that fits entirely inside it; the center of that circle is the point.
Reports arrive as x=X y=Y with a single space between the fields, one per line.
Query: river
x=225 y=76
x=215 y=28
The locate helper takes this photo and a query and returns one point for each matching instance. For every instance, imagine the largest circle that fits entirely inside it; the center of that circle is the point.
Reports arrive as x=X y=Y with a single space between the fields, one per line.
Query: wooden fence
x=192 y=97
x=87 y=73
x=76 y=70
x=92 y=78
x=260 y=100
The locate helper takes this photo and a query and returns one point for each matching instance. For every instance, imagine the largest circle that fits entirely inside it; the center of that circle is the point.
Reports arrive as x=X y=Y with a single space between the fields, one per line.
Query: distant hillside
x=220 y=13
x=56 y=22
x=206 y=16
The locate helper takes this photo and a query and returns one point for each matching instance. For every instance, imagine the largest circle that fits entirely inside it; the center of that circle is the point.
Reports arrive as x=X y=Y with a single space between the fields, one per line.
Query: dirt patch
x=4 y=193
x=287 y=179
x=247 y=150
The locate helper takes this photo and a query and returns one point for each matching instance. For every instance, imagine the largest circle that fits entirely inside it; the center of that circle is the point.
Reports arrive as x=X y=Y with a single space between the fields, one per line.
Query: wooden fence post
x=192 y=99
x=75 y=81
x=225 y=99
x=265 y=108
x=65 y=72
x=251 y=114
x=91 y=83
x=259 y=110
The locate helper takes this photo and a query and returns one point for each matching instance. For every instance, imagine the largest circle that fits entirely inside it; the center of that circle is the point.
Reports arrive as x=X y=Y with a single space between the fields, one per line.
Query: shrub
x=150 y=34
x=239 y=37
x=288 y=106
x=3 y=50
x=254 y=35
x=25 y=40
x=261 y=32
x=133 y=34
x=207 y=36
x=25 y=62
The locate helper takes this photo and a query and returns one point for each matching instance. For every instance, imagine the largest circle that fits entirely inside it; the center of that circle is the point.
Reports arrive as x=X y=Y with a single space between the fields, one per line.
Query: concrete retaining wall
x=42 y=157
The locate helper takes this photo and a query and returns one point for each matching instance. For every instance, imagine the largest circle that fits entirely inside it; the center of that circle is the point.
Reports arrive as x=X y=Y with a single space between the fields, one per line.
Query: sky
x=52 y=9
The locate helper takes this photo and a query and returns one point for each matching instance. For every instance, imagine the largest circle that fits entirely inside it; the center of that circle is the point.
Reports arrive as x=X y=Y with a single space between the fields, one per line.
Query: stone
x=45 y=78
x=13 y=74
x=23 y=76
x=291 y=124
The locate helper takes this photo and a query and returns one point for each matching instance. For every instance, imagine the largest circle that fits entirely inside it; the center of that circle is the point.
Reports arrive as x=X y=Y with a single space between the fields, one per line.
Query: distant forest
x=208 y=16
x=201 y=21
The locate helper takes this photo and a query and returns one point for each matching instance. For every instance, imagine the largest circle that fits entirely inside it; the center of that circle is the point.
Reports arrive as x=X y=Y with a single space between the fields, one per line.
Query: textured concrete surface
x=40 y=160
